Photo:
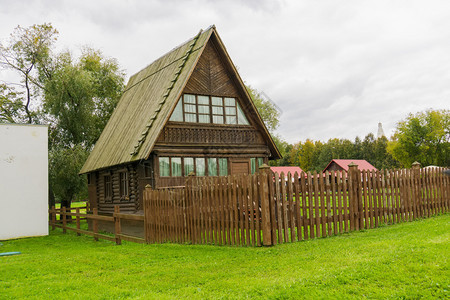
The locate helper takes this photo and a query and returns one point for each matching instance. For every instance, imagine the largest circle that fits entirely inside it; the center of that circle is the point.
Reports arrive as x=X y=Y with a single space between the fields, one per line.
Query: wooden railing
x=67 y=224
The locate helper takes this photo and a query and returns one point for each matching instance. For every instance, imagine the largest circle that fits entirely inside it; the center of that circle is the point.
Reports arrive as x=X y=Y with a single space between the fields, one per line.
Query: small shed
x=342 y=164
x=23 y=181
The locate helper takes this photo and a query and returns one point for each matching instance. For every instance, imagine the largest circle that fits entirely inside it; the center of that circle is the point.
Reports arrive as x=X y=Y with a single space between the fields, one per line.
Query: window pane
x=164 y=170
x=242 y=119
x=200 y=166
x=223 y=167
x=203 y=118
x=123 y=183
x=230 y=102
x=217 y=110
x=217 y=101
x=230 y=111
x=203 y=100
x=177 y=114
x=108 y=186
x=188 y=165
x=189 y=108
x=176 y=166
x=190 y=117
x=260 y=161
x=253 y=165
x=189 y=99
x=203 y=109
x=212 y=166
x=217 y=119
x=231 y=119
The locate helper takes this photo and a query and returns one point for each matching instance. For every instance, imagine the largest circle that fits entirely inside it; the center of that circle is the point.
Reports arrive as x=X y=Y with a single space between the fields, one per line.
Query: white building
x=23 y=181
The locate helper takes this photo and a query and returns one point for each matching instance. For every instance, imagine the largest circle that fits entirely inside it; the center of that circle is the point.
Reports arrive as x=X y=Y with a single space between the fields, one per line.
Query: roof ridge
x=185 y=57
x=172 y=50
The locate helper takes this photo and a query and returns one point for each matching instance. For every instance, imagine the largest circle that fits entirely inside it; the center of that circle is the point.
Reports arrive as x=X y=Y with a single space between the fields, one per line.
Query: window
x=206 y=109
x=212 y=166
x=217 y=110
x=255 y=163
x=260 y=161
x=123 y=184
x=200 y=166
x=188 y=165
x=164 y=167
x=177 y=114
x=148 y=171
x=176 y=166
x=223 y=167
x=107 y=187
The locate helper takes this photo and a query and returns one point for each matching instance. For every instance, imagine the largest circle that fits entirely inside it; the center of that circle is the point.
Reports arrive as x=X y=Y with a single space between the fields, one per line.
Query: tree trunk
x=51 y=200
x=66 y=203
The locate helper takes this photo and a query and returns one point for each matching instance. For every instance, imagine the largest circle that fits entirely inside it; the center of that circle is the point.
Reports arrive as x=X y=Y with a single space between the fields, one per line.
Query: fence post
x=354 y=180
x=417 y=189
x=145 y=203
x=264 y=176
x=95 y=224
x=117 y=228
x=53 y=215
x=63 y=214
x=78 y=220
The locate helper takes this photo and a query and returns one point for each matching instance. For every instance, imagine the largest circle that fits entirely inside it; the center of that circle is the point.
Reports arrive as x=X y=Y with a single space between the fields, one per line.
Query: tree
x=307 y=155
x=11 y=106
x=423 y=137
x=75 y=97
x=81 y=96
x=382 y=158
x=267 y=110
x=284 y=148
x=28 y=53
x=65 y=163
x=79 y=99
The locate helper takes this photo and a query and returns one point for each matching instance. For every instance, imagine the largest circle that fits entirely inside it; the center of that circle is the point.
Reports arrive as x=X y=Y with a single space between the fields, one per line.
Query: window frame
x=238 y=115
x=218 y=160
x=107 y=187
x=124 y=185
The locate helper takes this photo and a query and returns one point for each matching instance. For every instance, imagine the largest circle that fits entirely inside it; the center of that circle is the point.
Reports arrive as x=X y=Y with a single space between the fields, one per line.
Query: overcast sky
x=334 y=68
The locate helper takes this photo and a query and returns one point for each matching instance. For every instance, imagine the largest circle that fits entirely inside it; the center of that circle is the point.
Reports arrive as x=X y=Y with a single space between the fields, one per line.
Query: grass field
x=403 y=261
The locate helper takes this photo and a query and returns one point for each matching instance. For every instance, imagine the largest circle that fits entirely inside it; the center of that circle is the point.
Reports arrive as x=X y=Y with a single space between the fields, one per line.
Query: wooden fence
x=267 y=208
x=75 y=225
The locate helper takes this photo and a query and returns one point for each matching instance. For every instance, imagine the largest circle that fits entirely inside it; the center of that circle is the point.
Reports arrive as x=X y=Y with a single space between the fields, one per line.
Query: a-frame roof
x=148 y=101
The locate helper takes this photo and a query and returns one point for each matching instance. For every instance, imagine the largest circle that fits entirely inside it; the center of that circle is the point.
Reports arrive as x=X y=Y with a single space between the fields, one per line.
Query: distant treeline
x=423 y=137
x=315 y=155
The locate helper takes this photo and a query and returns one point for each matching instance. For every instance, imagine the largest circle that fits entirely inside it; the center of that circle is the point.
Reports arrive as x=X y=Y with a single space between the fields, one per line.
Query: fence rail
x=95 y=217
x=267 y=208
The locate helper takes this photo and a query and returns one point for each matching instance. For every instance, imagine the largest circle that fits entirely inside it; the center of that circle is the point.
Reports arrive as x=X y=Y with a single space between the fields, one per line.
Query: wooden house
x=342 y=165
x=188 y=111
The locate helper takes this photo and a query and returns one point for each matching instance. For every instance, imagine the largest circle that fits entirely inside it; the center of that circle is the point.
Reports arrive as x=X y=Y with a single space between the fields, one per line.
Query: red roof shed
x=286 y=170
x=342 y=164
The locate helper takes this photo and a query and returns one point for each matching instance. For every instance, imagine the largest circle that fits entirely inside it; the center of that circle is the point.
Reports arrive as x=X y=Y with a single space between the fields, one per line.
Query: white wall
x=23 y=181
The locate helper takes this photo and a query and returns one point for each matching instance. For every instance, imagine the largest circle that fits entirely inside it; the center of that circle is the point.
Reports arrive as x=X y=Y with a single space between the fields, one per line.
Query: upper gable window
x=206 y=109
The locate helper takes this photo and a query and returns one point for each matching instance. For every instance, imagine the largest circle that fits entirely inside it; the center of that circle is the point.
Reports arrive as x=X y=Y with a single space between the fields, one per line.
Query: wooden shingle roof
x=147 y=103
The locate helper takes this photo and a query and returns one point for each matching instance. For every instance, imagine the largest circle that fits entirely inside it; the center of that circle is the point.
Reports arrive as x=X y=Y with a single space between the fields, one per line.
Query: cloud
x=335 y=68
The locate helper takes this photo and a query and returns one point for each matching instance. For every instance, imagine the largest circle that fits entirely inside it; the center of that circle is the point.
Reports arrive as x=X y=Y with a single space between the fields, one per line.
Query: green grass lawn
x=402 y=261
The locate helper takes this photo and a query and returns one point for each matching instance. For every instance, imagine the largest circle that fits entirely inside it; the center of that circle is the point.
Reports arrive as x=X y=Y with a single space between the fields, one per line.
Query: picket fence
x=267 y=208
